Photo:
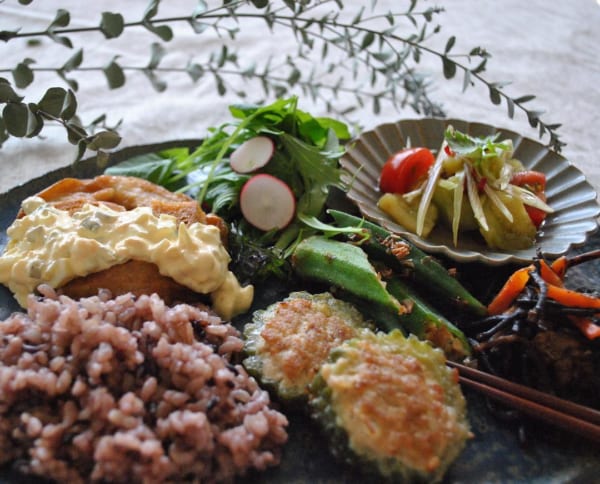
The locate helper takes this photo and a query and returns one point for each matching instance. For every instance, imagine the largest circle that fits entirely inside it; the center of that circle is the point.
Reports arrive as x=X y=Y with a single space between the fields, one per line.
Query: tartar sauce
x=51 y=246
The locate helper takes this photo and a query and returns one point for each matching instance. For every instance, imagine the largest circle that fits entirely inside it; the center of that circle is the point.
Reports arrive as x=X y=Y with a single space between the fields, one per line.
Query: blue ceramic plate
x=494 y=455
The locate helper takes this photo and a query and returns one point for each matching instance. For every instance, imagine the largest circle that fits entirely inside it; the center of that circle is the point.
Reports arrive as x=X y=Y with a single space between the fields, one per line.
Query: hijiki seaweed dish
x=184 y=313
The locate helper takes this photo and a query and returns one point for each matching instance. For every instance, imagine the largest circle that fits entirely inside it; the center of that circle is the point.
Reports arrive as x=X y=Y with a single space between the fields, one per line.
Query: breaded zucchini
x=389 y=404
x=287 y=342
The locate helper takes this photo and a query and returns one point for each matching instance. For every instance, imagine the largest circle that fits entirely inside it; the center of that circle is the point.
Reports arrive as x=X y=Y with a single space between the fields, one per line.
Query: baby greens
x=307 y=150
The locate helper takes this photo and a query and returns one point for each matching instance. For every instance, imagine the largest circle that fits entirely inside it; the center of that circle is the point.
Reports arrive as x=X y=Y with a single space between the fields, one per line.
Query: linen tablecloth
x=549 y=49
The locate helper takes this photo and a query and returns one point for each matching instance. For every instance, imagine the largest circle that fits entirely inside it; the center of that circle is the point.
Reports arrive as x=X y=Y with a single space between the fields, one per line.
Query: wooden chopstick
x=579 y=419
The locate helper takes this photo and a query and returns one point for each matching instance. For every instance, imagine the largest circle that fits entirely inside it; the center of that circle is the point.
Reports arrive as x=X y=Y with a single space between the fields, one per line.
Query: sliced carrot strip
x=550 y=275
x=589 y=329
x=569 y=297
x=511 y=289
x=560 y=266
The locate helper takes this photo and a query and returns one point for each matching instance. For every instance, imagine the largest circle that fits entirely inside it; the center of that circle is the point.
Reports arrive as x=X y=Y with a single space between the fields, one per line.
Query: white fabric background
x=549 y=49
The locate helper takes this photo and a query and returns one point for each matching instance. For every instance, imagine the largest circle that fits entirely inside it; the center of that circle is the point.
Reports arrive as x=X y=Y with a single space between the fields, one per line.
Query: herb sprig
x=380 y=55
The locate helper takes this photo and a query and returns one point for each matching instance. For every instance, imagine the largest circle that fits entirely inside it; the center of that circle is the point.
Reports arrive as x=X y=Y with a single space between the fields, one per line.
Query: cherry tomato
x=405 y=170
x=536 y=215
x=535 y=181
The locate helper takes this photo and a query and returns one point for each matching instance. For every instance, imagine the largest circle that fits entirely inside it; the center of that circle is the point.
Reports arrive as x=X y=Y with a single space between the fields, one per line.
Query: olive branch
x=381 y=52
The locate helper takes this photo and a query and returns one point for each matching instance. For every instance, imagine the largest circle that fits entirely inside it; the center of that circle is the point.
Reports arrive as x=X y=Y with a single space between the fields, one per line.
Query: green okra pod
x=345 y=266
x=426 y=323
x=404 y=257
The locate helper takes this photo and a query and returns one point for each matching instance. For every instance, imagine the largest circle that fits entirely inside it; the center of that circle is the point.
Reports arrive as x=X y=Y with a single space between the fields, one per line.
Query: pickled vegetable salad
x=476 y=183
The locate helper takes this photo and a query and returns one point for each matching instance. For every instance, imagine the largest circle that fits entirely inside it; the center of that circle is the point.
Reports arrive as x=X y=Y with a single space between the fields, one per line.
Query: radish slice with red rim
x=252 y=154
x=267 y=202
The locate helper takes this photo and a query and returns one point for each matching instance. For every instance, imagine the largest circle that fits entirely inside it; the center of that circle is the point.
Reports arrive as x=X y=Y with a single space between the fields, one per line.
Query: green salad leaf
x=307 y=150
x=475 y=148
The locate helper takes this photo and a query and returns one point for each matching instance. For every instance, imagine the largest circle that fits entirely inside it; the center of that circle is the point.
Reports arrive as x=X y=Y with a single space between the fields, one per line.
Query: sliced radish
x=252 y=154
x=267 y=202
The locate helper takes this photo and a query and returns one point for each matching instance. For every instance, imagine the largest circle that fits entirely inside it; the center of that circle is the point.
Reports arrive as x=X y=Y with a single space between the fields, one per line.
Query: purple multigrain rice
x=129 y=389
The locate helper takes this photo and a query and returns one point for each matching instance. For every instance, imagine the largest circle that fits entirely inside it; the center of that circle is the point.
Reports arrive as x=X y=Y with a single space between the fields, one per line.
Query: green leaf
x=358 y=18
x=157 y=84
x=450 y=44
x=75 y=133
x=20 y=121
x=61 y=40
x=480 y=67
x=201 y=7
x=449 y=67
x=36 y=122
x=6 y=35
x=467 y=80
x=510 y=107
x=495 y=95
x=71 y=82
x=23 y=74
x=8 y=94
x=534 y=117
x=112 y=24
x=221 y=88
x=381 y=56
x=163 y=31
x=260 y=3
x=114 y=74
x=102 y=158
x=524 y=99
x=25 y=2
x=104 y=140
x=330 y=230
x=222 y=56
x=195 y=71
x=474 y=147
x=61 y=20
x=152 y=167
x=294 y=76
x=69 y=107
x=58 y=103
x=368 y=39
x=53 y=101
x=81 y=148
x=73 y=62
x=376 y=105
x=157 y=52
x=3 y=133
x=151 y=9
x=197 y=25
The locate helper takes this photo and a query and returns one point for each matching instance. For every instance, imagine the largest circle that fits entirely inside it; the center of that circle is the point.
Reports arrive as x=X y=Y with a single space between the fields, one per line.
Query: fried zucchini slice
x=287 y=342
x=389 y=404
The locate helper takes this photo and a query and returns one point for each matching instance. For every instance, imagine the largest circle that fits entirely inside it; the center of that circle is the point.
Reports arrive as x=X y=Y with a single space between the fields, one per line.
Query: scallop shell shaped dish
x=573 y=199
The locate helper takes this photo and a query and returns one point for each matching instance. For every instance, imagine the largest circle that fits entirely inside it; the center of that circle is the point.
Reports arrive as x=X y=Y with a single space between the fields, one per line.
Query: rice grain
x=130 y=390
